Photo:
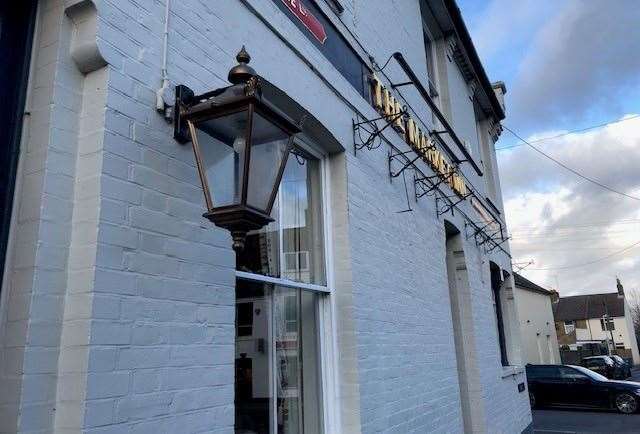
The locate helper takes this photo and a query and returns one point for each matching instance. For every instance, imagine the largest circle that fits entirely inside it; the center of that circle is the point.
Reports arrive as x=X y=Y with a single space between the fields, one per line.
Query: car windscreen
x=590 y=373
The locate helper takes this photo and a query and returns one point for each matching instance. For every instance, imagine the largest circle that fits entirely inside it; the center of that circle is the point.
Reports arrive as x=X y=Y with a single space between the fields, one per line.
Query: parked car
x=579 y=387
x=604 y=365
x=624 y=365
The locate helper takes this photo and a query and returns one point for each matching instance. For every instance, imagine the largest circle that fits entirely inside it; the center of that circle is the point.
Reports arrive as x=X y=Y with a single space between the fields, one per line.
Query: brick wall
x=143 y=318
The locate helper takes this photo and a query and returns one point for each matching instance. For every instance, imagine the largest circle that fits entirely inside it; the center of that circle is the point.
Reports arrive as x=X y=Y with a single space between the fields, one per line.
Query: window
x=538 y=372
x=296 y=261
x=608 y=326
x=571 y=374
x=280 y=284
x=569 y=327
x=594 y=363
x=292 y=246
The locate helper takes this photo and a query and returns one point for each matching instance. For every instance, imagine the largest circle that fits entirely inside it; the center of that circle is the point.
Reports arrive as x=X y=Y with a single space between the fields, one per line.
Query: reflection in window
x=292 y=246
x=244 y=319
x=569 y=327
x=277 y=378
x=607 y=325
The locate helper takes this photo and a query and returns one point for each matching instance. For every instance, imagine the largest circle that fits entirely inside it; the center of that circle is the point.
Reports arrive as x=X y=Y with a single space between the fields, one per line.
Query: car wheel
x=626 y=403
x=532 y=400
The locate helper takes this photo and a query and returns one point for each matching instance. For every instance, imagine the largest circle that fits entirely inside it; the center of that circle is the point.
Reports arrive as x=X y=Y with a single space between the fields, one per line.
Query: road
x=570 y=422
x=580 y=421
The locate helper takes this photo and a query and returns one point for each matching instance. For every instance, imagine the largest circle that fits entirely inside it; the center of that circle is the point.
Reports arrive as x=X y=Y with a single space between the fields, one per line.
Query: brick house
x=379 y=300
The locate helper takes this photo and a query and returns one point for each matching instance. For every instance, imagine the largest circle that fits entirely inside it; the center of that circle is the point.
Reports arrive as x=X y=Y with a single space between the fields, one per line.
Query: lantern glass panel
x=222 y=143
x=269 y=145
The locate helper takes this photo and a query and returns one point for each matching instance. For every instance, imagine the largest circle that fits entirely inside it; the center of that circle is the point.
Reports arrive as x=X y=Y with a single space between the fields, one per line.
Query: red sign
x=307 y=19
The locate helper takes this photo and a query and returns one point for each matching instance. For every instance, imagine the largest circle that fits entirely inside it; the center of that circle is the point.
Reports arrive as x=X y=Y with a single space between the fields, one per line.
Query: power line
x=575 y=172
x=590 y=262
x=600 y=223
x=593 y=127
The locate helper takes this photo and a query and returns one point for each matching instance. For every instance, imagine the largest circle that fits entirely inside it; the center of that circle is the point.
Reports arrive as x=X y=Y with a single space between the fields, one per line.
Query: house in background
x=585 y=323
x=537 y=331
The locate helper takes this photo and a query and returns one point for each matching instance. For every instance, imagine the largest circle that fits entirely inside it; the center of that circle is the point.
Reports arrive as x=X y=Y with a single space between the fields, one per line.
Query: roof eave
x=463 y=35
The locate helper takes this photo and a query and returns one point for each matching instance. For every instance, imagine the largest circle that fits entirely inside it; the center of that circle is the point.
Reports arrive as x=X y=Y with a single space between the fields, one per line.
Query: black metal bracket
x=360 y=143
x=425 y=189
x=405 y=83
x=450 y=204
x=497 y=244
x=405 y=164
x=184 y=98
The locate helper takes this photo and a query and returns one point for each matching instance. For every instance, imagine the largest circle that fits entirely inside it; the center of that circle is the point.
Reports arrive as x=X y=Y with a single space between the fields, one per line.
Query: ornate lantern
x=241 y=142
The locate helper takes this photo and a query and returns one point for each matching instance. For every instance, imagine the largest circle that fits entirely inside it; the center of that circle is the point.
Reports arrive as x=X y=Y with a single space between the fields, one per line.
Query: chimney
x=500 y=90
x=620 y=288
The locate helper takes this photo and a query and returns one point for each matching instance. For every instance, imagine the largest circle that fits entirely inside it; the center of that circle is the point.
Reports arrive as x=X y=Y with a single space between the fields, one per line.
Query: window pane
x=277 y=367
x=571 y=374
x=302 y=233
x=261 y=254
x=299 y=204
x=296 y=361
x=253 y=385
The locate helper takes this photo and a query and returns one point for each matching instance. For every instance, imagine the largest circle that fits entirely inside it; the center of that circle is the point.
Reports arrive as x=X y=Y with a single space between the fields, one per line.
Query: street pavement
x=580 y=421
x=570 y=422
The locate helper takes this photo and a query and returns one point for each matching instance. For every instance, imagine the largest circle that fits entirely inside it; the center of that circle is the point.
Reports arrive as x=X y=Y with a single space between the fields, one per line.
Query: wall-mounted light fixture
x=241 y=141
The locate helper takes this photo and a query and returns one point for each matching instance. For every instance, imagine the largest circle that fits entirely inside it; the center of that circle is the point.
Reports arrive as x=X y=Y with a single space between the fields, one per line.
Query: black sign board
x=322 y=33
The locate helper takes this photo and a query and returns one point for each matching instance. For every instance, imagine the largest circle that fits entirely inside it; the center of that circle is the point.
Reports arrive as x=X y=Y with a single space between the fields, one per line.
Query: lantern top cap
x=242 y=72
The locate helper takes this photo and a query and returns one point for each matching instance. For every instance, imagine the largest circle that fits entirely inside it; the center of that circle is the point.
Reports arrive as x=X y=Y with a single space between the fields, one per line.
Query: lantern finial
x=242 y=72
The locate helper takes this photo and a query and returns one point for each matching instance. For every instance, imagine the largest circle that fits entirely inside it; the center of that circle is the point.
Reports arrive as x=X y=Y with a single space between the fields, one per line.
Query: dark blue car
x=578 y=387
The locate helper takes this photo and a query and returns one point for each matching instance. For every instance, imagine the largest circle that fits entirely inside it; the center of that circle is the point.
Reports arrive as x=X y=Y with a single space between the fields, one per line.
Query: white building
x=537 y=327
x=597 y=319
x=380 y=298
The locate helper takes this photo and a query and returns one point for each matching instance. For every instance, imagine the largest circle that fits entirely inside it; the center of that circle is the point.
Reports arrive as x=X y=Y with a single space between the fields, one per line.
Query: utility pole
x=605 y=317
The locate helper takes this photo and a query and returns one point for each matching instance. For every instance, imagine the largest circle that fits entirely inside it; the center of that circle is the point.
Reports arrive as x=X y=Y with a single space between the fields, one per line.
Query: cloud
x=503 y=24
x=560 y=220
x=582 y=62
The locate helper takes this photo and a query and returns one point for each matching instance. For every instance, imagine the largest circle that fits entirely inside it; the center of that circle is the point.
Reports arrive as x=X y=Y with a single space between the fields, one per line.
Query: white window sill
x=508 y=371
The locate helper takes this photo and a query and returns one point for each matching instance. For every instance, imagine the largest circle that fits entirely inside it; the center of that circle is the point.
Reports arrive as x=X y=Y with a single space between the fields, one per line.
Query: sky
x=567 y=65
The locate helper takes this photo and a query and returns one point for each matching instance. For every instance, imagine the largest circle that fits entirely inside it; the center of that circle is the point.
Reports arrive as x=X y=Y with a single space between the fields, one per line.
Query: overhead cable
x=575 y=172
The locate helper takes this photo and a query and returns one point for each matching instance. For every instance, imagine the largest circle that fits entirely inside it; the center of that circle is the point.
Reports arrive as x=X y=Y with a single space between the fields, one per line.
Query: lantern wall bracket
x=370 y=127
x=184 y=98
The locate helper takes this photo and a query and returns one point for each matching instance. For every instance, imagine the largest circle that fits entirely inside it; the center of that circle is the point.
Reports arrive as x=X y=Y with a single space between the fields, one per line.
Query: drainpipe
x=160 y=104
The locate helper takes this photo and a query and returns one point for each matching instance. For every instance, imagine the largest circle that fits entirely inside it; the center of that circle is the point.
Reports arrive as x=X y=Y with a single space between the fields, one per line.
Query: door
x=546 y=385
x=17 y=19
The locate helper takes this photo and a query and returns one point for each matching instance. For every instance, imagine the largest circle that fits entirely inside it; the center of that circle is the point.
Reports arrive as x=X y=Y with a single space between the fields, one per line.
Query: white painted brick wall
x=150 y=284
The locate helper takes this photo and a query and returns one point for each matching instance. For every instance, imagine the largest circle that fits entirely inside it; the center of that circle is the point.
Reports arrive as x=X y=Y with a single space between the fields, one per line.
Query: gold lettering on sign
x=421 y=143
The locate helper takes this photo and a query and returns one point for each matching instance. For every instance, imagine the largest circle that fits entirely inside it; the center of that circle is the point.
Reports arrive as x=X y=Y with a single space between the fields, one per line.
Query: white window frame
x=326 y=318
